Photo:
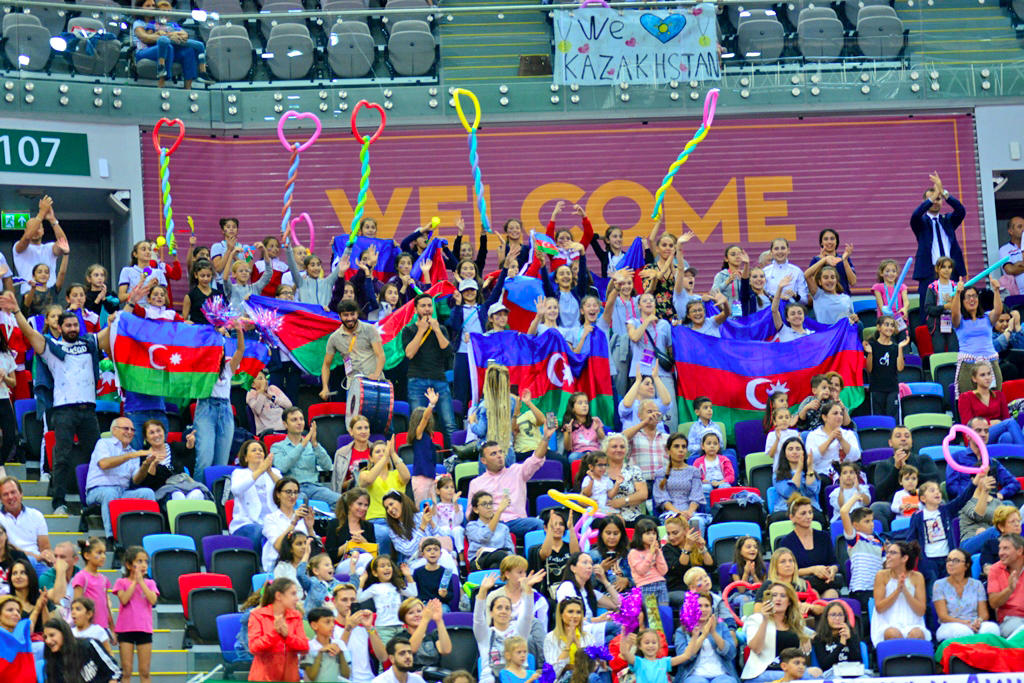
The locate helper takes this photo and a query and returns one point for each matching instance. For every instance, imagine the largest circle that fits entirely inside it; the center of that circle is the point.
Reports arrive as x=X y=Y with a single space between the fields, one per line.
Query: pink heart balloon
x=973 y=436
x=297 y=115
x=309 y=222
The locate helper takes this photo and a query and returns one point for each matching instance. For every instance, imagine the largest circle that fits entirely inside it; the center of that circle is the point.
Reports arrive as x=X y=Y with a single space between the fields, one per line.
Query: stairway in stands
x=960 y=32
x=479 y=48
x=171 y=664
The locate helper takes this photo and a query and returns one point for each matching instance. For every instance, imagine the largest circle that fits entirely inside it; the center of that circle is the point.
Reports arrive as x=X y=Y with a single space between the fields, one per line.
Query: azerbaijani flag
x=984 y=651
x=16 y=660
x=429 y=267
x=520 y=298
x=303 y=333
x=739 y=376
x=391 y=327
x=757 y=326
x=387 y=254
x=547 y=366
x=160 y=358
x=254 y=359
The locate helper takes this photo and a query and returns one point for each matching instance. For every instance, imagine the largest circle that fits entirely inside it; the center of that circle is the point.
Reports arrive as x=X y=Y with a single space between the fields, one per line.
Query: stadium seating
x=722 y=538
x=170 y=556
x=906 y=657
x=924 y=397
x=928 y=429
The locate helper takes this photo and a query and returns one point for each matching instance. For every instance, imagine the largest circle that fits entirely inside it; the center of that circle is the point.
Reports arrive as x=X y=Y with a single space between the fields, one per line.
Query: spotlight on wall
x=120 y=202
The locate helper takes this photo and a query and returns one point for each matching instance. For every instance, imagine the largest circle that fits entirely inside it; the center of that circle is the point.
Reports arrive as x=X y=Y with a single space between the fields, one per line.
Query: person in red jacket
x=276 y=636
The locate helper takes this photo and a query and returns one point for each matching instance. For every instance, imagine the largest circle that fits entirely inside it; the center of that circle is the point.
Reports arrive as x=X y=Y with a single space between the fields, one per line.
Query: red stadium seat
x=402 y=438
x=329 y=408
x=718 y=495
x=119 y=506
x=923 y=338
x=189 y=582
x=229 y=510
x=270 y=439
x=1013 y=389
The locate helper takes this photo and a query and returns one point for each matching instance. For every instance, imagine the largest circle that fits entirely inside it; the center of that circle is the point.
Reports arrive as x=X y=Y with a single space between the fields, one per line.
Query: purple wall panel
x=749 y=181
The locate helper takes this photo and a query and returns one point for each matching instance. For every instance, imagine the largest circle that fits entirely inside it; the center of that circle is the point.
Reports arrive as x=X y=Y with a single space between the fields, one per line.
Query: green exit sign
x=14 y=220
x=30 y=151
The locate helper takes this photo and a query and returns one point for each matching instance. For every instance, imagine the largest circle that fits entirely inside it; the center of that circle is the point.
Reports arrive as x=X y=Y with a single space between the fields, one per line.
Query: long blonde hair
x=793 y=619
x=773 y=570
x=498 y=399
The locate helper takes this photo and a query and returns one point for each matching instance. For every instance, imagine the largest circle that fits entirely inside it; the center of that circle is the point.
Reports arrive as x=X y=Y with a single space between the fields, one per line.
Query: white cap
x=468 y=283
x=496 y=308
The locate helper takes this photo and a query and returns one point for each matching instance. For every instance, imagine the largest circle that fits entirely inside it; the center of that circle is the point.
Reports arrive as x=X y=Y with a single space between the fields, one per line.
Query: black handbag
x=665 y=360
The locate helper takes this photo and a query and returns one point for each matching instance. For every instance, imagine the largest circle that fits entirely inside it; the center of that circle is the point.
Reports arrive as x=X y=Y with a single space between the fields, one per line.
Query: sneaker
x=205 y=77
x=44 y=478
x=161 y=72
x=60 y=510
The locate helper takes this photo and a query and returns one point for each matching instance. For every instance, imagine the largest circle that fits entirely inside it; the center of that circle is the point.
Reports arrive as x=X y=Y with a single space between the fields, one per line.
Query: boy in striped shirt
x=865 y=549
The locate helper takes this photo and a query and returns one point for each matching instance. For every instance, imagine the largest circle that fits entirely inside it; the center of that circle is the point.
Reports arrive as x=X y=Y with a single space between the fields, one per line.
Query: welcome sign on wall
x=602 y=46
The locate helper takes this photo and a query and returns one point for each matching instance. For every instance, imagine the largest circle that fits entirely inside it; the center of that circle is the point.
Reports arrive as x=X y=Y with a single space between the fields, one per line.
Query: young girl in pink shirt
x=90 y=583
x=647 y=562
x=134 y=629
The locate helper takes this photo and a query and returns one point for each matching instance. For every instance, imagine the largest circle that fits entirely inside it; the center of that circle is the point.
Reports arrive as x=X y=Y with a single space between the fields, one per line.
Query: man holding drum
x=359 y=345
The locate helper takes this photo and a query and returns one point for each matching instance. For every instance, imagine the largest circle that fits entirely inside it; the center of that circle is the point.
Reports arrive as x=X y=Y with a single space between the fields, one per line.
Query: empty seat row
x=820 y=34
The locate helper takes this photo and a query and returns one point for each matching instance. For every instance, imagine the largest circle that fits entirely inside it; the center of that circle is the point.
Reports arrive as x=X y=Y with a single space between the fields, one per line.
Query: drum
x=373 y=400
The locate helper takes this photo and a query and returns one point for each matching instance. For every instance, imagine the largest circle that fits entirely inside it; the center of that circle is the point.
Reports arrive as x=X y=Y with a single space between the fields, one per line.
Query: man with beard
x=73 y=360
x=359 y=345
x=400 y=652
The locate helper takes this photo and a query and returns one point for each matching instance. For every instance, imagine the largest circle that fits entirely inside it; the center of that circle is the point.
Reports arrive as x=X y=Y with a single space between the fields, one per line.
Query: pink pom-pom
x=630 y=607
x=217 y=311
x=267 y=321
x=690 y=614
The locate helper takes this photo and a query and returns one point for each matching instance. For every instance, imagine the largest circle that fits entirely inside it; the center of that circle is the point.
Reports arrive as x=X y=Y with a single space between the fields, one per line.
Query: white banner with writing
x=602 y=46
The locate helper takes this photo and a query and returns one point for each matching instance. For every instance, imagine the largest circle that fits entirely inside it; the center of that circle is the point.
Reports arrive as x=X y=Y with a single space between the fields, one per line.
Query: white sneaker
x=44 y=478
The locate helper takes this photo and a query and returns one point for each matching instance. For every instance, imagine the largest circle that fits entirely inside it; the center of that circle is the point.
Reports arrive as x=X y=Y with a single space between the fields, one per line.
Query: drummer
x=302 y=457
x=360 y=348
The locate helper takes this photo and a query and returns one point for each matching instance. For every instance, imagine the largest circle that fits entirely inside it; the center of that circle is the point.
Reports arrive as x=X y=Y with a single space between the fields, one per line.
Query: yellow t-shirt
x=377 y=489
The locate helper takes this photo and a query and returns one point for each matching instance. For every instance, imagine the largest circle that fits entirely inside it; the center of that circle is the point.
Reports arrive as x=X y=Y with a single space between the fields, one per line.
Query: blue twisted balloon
x=289 y=188
x=364 y=187
x=478 y=183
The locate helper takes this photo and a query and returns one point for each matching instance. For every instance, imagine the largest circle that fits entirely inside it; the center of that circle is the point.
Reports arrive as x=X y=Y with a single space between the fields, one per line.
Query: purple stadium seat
x=212 y=543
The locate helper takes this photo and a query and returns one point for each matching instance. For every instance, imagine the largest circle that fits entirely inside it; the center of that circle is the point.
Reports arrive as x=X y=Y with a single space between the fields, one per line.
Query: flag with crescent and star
x=161 y=358
x=546 y=366
x=740 y=375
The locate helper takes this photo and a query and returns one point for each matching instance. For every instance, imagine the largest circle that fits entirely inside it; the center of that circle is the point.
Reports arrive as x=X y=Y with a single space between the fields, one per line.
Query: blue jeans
x=974 y=544
x=215 y=427
x=189 y=55
x=724 y=678
x=102 y=495
x=383 y=535
x=520 y=526
x=254 y=532
x=314 y=491
x=418 y=387
x=139 y=417
x=1007 y=431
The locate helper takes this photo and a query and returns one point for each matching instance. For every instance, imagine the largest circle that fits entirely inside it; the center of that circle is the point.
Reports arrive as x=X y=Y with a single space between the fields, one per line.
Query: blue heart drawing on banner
x=663 y=29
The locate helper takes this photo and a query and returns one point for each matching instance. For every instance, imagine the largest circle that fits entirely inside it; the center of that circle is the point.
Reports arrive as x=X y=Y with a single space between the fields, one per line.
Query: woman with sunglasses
x=286 y=517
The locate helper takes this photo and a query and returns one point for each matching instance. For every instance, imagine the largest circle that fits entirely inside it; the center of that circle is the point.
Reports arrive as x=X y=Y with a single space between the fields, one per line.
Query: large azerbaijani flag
x=161 y=358
x=16 y=660
x=739 y=375
x=254 y=359
x=546 y=365
x=304 y=330
x=391 y=327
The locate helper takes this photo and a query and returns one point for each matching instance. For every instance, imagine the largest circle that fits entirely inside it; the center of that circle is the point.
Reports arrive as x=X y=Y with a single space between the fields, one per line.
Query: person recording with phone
x=287 y=516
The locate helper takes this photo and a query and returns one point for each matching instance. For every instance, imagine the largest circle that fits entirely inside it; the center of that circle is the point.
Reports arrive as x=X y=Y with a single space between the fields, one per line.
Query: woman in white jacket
x=775 y=625
x=831 y=444
x=491 y=632
x=252 y=487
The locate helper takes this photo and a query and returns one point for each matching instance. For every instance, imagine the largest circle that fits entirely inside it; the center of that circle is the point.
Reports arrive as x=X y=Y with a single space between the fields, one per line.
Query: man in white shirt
x=73 y=359
x=30 y=251
x=400 y=652
x=114 y=467
x=26 y=527
x=779 y=268
x=357 y=632
x=1011 y=250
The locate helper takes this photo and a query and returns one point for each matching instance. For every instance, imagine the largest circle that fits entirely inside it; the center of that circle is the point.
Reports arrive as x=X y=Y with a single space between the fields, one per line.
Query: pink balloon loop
x=291 y=114
x=728 y=589
x=603 y=3
x=710 y=103
x=973 y=436
x=309 y=222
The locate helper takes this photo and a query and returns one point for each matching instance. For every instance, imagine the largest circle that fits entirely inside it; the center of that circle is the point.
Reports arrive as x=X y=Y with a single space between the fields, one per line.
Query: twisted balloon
x=710 y=102
x=364 y=188
x=478 y=183
x=474 y=158
x=289 y=189
x=165 y=196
